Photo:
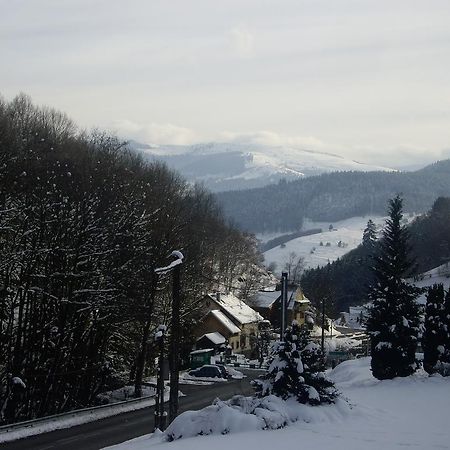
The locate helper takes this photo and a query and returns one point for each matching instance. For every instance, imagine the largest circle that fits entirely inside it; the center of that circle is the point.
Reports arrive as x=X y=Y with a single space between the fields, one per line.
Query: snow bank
x=219 y=418
x=235 y=374
x=185 y=377
x=250 y=413
x=353 y=373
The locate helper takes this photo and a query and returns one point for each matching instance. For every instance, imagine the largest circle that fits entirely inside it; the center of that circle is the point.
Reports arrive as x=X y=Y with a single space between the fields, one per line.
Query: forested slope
x=83 y=224
x=335 y=196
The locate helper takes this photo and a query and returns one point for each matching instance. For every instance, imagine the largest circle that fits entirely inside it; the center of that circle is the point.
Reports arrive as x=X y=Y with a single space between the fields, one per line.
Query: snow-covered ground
x=349 y=232
x=438 y=275
x=125 y=393
x=392 y=414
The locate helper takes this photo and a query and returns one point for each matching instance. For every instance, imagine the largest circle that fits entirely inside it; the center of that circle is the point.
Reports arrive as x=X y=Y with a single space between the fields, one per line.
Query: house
x=268 y=304
x=236 y=321
x=215 y=341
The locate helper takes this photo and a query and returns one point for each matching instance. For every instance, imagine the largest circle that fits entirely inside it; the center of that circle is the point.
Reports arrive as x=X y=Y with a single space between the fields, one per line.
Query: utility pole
x=284 y=289
x=175 y=343
x=323 y=325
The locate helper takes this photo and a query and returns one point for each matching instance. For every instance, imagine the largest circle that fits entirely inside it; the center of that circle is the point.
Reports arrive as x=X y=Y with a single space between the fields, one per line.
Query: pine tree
x=435 y=334
x=369 y=235
x=296 y=370
x=393 y=322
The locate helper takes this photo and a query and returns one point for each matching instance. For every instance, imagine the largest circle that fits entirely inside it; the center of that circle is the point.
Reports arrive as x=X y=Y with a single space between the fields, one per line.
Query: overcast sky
x=365 y=79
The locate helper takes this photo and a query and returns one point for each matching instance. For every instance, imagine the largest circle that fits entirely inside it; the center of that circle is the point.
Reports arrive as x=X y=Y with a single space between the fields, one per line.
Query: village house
x=299 y=308
x=230 y=317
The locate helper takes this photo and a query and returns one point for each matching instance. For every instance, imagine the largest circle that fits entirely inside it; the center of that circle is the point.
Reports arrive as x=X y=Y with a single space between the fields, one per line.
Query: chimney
x=218 y=296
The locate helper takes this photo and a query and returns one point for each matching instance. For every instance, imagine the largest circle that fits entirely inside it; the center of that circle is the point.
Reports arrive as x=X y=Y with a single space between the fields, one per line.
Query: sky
x=365 y=79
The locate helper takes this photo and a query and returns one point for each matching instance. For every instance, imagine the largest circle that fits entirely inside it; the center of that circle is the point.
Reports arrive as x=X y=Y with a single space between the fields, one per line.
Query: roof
x=303 y=301
x=236 y=308
x=225 y=321
x=215 y=337
x=203 y=350
x=264 y=299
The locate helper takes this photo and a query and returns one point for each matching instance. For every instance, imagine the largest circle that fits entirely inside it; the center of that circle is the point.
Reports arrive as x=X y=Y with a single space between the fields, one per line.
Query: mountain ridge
x=223 y=166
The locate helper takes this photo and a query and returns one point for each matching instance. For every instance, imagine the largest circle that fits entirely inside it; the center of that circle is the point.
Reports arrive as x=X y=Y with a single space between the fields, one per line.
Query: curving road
x=116 y=429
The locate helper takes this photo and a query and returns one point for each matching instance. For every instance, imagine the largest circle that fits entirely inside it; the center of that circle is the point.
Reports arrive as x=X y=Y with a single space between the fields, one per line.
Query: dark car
x=223 y=370
x=207 y=371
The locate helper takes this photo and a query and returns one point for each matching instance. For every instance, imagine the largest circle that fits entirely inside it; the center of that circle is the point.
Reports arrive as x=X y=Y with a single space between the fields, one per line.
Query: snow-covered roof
x=202 y=350
x=264 y=299
x=225 y=321
x=236 y=308
x=303 y=300
x=215 y=338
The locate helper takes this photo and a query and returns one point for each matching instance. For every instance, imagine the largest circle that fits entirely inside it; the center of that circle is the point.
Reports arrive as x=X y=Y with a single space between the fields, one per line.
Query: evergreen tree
x=435 y=334
x=369 y=235
x=393 y=322
x=296 y=370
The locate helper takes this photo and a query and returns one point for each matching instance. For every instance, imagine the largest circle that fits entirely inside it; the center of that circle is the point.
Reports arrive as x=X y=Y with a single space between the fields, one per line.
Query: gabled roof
x=225 y=321
x=265 y=299
x=237 y=309
x=215 y=337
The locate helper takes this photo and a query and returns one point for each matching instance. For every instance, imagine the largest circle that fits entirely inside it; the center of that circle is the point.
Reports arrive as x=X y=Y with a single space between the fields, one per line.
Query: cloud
x=242 y=41
x=271 y=138
x=155 y=133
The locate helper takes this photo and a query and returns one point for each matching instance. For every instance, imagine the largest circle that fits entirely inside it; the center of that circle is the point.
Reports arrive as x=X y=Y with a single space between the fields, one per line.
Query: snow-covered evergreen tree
x=435 y=333
x=296 y=370
x=370 y=235
x=393 y=322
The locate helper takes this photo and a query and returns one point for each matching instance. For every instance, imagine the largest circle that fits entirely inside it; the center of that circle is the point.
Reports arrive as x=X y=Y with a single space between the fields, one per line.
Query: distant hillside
x=346 y=280
x=334 y=196
x=231 y=166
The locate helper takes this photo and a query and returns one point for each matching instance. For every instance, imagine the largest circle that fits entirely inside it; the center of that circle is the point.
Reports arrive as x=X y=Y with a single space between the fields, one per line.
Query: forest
x=335 y=196
x=84 y=223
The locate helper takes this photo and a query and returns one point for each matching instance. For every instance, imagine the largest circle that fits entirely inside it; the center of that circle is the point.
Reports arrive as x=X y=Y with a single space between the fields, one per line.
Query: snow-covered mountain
x=226 y=166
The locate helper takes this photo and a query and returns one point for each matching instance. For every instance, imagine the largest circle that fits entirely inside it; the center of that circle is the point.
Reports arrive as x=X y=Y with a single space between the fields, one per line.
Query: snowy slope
x=404 y=413
x=249 y=165
x=348 y=231
x=438 y=275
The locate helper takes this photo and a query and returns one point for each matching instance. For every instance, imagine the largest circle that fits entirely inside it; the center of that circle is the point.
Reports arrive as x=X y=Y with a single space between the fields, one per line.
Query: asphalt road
x=116 y=429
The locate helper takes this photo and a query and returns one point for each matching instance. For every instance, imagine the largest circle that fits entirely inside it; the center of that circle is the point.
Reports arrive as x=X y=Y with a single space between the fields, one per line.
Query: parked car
x=207 y=371
x=223 y=371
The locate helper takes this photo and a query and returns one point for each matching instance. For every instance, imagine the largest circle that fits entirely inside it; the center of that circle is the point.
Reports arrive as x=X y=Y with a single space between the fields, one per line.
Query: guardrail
x=29 y=427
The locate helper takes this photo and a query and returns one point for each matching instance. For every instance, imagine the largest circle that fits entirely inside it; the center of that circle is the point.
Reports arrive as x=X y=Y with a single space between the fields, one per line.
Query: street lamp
x=174 y=343
x=160 y=414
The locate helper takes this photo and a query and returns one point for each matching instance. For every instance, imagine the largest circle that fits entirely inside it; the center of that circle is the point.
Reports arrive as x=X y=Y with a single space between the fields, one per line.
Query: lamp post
x=174 y=343
x=160 y=414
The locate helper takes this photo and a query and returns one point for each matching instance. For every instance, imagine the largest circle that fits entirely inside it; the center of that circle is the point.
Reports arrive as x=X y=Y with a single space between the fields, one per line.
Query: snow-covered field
x=392 y=414
x=438 y=275
x=349 y=232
